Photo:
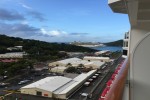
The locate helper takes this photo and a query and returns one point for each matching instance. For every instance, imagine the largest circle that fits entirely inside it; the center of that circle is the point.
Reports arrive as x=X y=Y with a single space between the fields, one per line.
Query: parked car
x=86 y=83
x=94 y=77
x=23 y=82
x=84 y=94
x=90 y=80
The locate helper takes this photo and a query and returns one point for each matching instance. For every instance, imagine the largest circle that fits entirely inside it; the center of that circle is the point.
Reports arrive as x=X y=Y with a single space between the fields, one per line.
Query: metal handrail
x=117 y=88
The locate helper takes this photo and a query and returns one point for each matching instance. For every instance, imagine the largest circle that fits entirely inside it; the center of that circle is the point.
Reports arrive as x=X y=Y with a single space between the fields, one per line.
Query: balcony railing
x=117 y=88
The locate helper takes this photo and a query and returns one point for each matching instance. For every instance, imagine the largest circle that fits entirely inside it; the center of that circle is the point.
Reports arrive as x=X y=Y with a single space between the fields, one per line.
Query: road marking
x=2 y=97
x=11 y=91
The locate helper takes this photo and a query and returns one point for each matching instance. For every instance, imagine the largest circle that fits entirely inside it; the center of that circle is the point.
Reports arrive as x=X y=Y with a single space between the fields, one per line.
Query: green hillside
x=39 y=49
x=115 y=43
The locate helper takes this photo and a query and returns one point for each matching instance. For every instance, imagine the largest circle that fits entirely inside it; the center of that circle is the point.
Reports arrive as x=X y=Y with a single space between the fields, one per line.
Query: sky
x=62 y=20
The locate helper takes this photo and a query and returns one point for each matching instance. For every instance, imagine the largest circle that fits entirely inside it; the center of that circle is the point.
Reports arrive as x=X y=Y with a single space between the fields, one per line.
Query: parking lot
x=18 y=82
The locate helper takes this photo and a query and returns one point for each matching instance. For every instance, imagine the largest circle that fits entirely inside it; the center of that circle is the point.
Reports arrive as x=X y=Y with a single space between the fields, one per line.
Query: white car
x=23 y=82
x=84 y=94
x=87 y=83
x=94 y=77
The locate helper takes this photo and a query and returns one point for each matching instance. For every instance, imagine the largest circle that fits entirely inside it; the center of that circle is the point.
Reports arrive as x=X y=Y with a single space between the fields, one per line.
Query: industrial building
x=76 y=62
x=59 y=69
x=95 y=64
x=12 y=55
x=64 y=62
x=91 y=58
x=101 y=52
x=57 y=86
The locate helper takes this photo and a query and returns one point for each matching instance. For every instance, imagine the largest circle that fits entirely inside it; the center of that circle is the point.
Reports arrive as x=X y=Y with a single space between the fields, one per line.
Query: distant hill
x=115 y=43
x=40 y=49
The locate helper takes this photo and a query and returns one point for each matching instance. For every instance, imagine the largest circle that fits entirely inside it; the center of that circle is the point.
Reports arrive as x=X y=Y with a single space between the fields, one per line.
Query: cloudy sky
x=62 y=20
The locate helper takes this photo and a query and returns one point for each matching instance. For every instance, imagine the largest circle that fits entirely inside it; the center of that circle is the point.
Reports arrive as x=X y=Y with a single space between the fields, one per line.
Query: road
x=93 y=86
x=96 y=88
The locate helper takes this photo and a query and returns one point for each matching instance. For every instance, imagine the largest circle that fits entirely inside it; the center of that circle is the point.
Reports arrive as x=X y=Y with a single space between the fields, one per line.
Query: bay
x=110 y=48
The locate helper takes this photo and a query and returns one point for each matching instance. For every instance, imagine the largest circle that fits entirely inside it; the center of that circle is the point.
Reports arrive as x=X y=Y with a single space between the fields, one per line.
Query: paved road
x=93 y=86
x=101 y=84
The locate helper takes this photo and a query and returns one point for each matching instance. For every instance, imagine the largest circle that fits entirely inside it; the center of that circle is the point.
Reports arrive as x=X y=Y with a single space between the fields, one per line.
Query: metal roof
x=59 y=84
x=91 y=57
x=70 y=60
x=75 y=82
x=49 y=83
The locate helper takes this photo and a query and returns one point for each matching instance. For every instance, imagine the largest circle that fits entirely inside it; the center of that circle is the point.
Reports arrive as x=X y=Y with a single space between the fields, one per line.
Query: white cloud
x=25 y=22
x=53 y=32
x=25 y=6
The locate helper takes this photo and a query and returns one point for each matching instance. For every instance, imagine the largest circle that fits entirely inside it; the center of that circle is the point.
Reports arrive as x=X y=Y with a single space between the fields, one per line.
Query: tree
x=80 y=66
x=71 y=70
x=69 y=65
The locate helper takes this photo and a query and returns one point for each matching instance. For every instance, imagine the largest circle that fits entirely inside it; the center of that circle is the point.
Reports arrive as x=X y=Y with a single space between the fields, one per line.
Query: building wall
x=139 y=48
x=93 y=66
x=135 y=36
x=56 y=64
x=57 y=70
x=102 y=60
x=74 y=89
x=33 y=91
x=140 y=70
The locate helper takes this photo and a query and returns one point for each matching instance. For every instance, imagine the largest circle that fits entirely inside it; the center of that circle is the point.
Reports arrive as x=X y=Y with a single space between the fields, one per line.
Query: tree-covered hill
x=39 y=49
x=115 y=43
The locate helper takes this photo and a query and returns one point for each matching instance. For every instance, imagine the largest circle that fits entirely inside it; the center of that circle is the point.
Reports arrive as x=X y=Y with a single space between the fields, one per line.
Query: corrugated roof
x=98 y=63
x=59 y=67
x=59 y=84
x=77 y=80
x=91 y=57
x=49 y=83
x=70 y=60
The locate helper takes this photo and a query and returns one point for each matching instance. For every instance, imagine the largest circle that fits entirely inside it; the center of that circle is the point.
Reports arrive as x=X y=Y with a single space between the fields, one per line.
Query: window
x=126 y=44
x=125 y=52
x=39 y=93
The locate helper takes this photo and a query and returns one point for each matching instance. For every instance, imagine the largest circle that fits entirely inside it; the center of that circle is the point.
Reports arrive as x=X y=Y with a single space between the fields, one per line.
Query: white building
x=65 y=91
x=46 y=86
x=91 y=58
x=59 y=69
x=126 y=45
x=137 y=86
x=101 y=52
x=75 y=62
x=95 y=64
x=64 y=62
x=56 y=86
x=13 y=55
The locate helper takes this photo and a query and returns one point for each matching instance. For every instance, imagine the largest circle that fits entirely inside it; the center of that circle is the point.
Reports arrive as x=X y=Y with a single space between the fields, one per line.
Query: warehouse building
x=91 y=58
x=12 y=55
x=46 y=86
x=57 y=86
x=65 y=91
x=95 y=64
x=75 y=62
x=59 y=69
x=64 y=62
x=102 y=52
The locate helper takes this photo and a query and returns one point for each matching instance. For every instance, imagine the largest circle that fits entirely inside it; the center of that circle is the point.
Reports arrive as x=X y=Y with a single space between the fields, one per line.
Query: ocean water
x=111 y=48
